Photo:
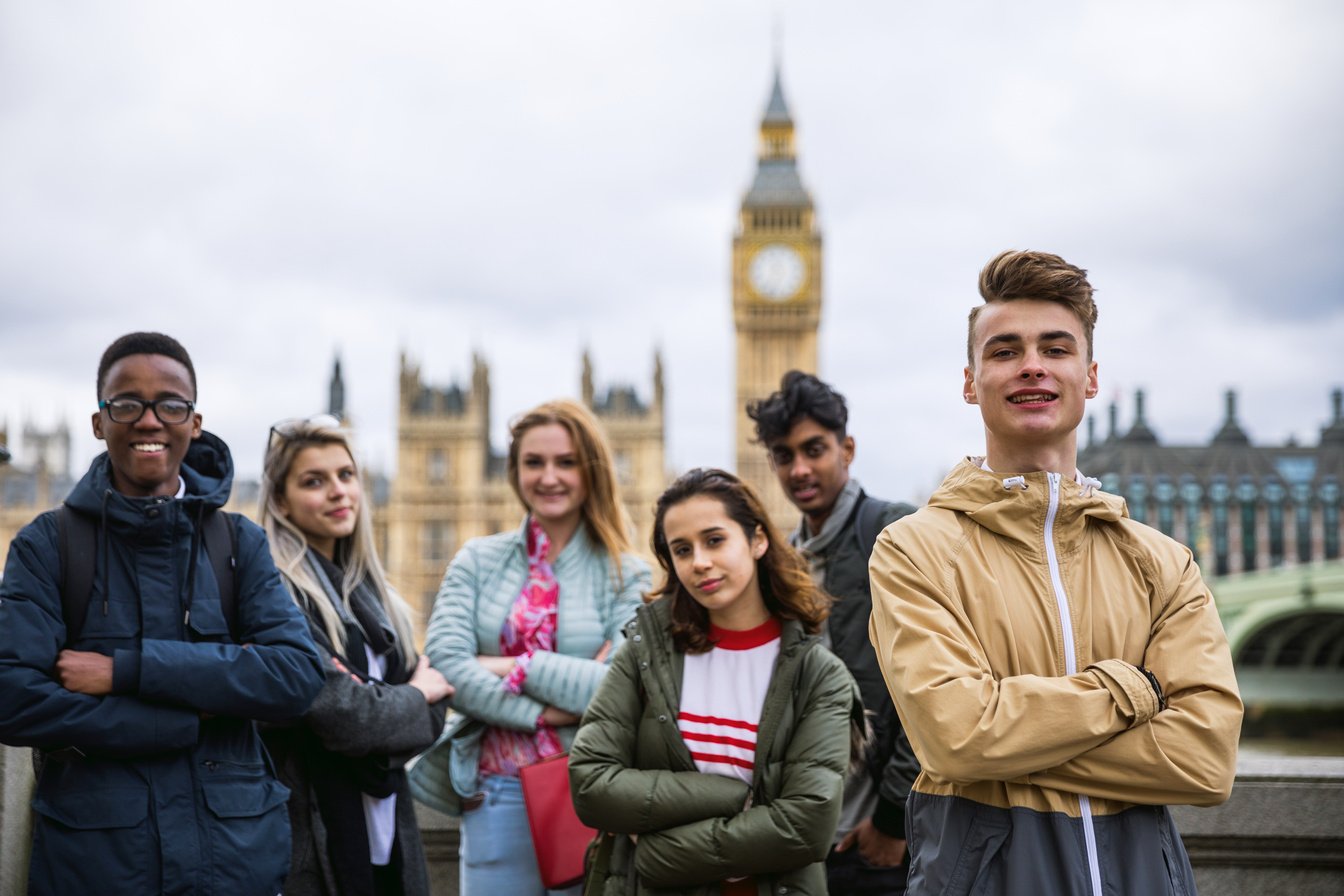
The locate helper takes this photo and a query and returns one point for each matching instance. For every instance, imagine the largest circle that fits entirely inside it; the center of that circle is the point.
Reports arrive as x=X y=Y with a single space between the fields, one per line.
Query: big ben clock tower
x=776 y=290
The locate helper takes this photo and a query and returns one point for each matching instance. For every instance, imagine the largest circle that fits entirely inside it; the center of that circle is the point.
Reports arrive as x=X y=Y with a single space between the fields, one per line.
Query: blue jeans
x=497 y=858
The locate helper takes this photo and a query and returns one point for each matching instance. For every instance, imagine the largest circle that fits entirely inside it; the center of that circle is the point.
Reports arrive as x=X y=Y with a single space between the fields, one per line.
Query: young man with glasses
x=153 y=778
x=1062 y=668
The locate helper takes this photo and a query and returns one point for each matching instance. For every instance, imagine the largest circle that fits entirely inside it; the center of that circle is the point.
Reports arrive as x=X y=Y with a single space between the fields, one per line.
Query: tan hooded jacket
x=1012 y=617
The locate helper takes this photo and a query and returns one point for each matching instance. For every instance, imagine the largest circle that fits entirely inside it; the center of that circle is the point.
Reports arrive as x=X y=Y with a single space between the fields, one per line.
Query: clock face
x=777 y=271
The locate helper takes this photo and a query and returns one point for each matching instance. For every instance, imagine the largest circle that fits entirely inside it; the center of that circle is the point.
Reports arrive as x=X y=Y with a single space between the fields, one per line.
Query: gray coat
x=355 y=720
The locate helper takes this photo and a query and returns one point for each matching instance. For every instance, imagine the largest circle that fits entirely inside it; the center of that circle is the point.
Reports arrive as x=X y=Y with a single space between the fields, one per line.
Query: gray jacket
x=350 y=723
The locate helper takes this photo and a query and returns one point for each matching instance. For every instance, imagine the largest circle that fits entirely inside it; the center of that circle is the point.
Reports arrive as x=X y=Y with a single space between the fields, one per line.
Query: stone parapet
x=1281 y=831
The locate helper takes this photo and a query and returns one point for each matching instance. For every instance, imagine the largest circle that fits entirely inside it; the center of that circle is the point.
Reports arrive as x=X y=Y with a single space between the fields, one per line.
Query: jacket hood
x=1015 y=506
x=207 y=471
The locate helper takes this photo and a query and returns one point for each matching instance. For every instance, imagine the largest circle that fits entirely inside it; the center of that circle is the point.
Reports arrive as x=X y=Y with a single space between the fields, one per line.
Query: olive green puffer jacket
x=631 y=773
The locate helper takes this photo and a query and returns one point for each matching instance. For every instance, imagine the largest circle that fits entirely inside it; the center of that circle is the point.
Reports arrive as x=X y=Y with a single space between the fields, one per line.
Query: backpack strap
x=77 y=537
x=220 y=533
x=868 y=522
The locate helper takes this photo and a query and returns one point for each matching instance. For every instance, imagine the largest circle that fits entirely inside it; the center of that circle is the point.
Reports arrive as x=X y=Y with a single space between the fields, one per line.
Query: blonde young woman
x=351 y=814
x=523 y=626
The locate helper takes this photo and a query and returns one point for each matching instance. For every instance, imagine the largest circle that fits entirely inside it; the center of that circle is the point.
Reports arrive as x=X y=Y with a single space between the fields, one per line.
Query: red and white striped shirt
x=722 y=693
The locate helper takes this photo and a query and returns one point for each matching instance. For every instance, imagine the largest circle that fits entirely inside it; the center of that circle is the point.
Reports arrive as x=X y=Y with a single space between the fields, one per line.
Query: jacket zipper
x=1070 y=667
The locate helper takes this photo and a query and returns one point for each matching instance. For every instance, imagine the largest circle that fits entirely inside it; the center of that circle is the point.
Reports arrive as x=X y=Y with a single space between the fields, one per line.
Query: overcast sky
x=276 y=183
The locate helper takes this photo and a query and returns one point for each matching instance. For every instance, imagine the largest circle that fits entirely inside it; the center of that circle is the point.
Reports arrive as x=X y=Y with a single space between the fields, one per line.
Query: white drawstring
x=1013 y=482
x=1089 y=484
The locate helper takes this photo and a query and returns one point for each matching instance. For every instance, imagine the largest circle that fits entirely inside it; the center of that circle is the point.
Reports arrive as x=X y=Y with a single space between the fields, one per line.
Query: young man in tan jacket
x=1061 y=669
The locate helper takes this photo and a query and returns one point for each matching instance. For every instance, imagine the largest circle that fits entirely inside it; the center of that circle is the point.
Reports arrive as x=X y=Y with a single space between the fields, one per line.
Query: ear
x=1091 y=391
x=759 y=544
x=97 y=422
x=968 y=387
x=196 y=426
x=847 y=450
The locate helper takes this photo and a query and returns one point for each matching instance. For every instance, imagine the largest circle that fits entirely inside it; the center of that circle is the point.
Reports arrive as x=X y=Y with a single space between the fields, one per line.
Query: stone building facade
x=451 y=484
x=1239 y=506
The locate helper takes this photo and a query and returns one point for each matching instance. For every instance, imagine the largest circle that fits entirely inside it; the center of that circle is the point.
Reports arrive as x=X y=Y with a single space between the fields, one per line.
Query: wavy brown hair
x=603 y=513
x=786 y=583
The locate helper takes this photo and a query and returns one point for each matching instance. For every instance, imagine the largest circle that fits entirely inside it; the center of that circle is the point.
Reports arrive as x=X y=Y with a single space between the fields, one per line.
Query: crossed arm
x=1097 y=732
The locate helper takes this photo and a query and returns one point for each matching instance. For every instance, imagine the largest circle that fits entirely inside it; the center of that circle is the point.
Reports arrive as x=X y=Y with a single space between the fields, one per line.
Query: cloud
x=275 y=184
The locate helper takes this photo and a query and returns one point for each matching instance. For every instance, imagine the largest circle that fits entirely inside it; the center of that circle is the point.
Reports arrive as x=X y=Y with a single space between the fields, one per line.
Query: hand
x=84 y=672
x=430 y=682
x=340 y=667
x=558 y=718
x=603 y=652
x=877 y=848
x=496 y=665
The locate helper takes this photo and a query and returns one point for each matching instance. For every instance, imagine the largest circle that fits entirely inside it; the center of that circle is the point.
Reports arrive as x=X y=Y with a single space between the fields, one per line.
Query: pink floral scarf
x=529 y=627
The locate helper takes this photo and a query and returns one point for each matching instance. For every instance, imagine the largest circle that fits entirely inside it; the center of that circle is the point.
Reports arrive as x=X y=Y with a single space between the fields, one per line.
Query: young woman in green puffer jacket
x=714 y=753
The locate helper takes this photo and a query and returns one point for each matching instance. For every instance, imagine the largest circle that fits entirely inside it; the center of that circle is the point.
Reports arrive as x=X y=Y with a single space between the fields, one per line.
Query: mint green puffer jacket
x=631 y=773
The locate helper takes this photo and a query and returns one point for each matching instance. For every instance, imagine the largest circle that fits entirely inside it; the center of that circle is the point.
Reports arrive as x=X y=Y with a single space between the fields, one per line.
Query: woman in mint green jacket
x=715 y=751
x=523 y=626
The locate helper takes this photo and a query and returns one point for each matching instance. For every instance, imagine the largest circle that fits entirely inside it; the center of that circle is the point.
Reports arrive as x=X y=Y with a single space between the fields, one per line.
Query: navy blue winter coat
x=173 y=792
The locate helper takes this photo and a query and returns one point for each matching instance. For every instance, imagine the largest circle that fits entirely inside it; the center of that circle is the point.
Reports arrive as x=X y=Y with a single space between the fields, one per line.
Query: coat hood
x=207 y=471
x=1015 y=506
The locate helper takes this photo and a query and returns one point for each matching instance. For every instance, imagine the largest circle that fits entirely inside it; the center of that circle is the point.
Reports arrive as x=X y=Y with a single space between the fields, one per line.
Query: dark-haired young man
x=154 y=779
x=804 y=428
x=1062 y=667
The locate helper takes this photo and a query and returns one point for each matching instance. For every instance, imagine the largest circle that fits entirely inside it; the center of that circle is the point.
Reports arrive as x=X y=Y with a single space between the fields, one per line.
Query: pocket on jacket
x=249 y=834
x=979 y=848
x=88 y=840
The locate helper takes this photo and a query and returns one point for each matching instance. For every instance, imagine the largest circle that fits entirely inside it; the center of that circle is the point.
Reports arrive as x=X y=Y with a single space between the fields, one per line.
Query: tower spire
x=336 y=391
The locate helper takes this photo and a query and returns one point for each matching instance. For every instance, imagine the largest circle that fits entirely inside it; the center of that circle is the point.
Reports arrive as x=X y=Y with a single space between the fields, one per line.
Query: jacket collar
x=667 y=664
x=580 y=545
x=207 y=472
x=1015 y=507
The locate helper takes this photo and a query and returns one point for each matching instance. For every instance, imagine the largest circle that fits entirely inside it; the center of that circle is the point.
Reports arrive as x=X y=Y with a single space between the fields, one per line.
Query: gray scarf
x=814 y=546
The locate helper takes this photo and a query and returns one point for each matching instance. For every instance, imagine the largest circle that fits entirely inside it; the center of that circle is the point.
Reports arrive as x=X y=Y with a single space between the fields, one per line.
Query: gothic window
x=1218 y=495
x=437 y=537
x=624 y=467
x=438 y=466
x=1246 y=495
x=1274 y=496
x=1302 y=517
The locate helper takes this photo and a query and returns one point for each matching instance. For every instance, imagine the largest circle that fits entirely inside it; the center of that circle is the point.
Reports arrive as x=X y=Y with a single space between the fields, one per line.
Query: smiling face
x=1031 y=379
x=321 y=496
x=146 y=456
x=812 y=464
x=550 y=479
x=715 y=561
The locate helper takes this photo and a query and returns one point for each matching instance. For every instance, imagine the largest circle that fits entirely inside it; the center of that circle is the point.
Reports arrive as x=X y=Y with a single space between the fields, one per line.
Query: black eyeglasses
x=171 y=411
x=286 y=429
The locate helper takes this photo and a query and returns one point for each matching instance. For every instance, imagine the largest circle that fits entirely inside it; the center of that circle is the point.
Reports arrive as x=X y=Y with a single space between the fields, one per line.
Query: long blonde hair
x=603 y=513
x=355 y=553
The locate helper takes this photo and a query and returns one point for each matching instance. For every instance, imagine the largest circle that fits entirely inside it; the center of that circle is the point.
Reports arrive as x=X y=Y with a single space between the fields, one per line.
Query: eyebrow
x=322 y=471
x=1015 y=338
x=708 y=531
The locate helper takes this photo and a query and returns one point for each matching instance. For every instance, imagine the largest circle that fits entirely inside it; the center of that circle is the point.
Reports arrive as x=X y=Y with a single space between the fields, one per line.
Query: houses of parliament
x=1240 y=507
x=451 y=484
